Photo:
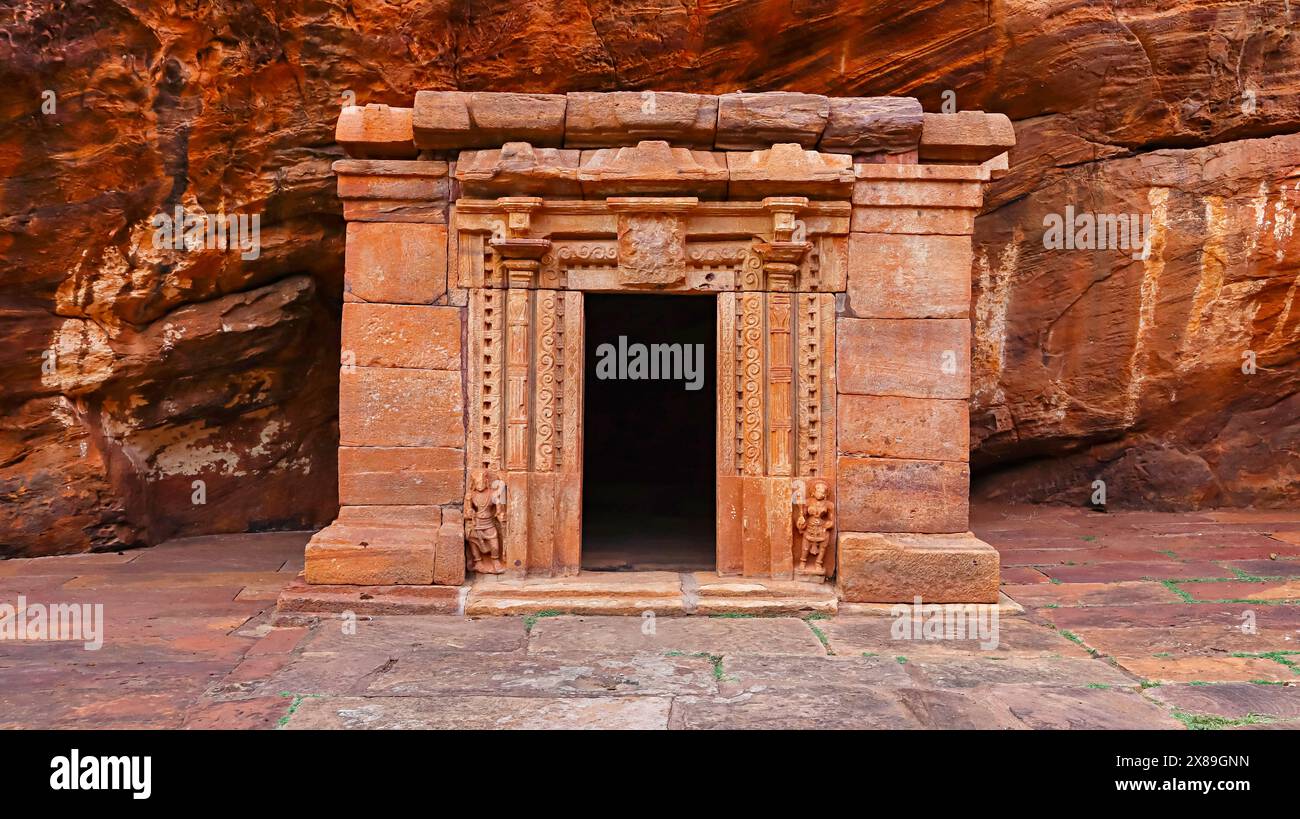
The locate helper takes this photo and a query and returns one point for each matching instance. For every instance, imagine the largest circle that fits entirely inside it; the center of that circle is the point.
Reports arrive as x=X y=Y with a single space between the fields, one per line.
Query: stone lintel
x=966 y=136
x=652 y=168
x=863 y=126
x=789 y=170
x=452 y=120
x=376 y=131
x=393 y=190
x=598 y=120
x=749 y=121
x=519 y=168
x=657 y=204
x=934 y=173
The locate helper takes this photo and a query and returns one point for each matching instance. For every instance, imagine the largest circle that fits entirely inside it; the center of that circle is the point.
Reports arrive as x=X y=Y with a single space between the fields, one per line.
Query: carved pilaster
x=549 y=376
x=809 y=365
x=780 y=381
x=573 y=371
x=517 y=367
x=752 y=343
x=486 y=354
x=727 y=384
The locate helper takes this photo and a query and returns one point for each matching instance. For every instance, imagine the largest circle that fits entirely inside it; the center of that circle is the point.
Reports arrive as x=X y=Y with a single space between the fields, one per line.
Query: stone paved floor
x=1132 y=620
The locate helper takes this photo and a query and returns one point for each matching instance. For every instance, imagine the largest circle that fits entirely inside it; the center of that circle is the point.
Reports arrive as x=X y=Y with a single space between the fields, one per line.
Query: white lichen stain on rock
x=991 y=321
x=268 y=434
x=78 y=358
x=1153 y=266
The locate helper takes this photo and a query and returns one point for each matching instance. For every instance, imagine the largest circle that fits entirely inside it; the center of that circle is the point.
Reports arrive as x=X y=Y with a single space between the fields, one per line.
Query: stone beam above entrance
x=443 y=123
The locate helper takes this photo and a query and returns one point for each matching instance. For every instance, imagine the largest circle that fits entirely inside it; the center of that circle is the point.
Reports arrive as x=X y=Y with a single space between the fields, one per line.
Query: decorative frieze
x=658 y=243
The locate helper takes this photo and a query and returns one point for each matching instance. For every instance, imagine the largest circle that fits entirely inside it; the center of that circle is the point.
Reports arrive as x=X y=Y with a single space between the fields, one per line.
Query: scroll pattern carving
x=548 y=375
x=727 y=392
x=751 y=345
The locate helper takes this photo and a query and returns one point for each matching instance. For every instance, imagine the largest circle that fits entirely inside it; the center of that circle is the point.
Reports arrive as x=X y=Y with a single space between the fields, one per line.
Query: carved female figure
x=816 y=521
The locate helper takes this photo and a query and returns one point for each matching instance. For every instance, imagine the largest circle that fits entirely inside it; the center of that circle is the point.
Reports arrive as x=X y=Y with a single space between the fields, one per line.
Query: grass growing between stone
x=1077 y=640
x=1207 y=722
x=714 y=659
x=1280 y=657
x=821 y=635
x=1240 y=576
x=294 y=705
x=531 y=620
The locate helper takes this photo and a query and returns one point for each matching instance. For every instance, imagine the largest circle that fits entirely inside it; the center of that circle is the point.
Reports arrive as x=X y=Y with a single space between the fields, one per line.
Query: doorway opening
x=649 y=432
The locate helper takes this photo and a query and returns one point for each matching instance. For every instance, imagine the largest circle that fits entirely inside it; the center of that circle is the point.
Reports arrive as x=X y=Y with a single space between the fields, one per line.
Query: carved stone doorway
x=649 y=432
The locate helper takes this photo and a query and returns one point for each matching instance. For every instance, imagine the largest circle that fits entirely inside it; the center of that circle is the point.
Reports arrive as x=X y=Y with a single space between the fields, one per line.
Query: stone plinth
x=897 y=568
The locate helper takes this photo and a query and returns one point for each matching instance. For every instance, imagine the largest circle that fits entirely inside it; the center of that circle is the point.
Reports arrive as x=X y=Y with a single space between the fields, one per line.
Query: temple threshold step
x=635 y=593
x=302 y=603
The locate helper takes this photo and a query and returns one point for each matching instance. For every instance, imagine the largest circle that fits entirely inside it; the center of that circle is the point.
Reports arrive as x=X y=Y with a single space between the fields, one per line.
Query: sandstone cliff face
x=130 y=372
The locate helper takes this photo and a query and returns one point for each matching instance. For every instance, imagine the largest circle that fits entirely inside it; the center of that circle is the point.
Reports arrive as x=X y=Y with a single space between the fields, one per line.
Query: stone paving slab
x=246 y=714
x=552 y=675
x=1016 y=637
x=768 y=673
x=1091 y=594
x=1208 y=669
x=793 y=710
x=960 y=710
x=482 y=712
x=1268 y=591
x=1116 y=571
x=977 y=671
x=1173 y=615
x=1286 y=567
x=1188 y=640
x=688 y=635
x=1232 y=700
x=398 y=634
x=1055 y=708
x=65 y=565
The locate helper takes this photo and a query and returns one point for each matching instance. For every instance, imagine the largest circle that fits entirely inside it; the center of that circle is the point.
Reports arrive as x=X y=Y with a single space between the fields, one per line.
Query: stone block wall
x=903 y=363
x=401 y=393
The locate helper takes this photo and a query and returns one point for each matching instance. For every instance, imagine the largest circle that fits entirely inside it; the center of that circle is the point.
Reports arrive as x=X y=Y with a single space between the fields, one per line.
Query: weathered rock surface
x=171 y=366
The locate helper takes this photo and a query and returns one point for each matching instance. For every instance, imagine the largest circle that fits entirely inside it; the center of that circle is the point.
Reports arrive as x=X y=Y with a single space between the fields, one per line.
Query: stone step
x=612 y=593
x=613 y=605
x=302 y=603
x=584 y=584
x=634 y=593
x=711 y=593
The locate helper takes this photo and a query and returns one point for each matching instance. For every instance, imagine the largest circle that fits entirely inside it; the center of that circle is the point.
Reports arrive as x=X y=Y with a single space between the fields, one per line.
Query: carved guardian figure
x=815 y=523
x=484 y=509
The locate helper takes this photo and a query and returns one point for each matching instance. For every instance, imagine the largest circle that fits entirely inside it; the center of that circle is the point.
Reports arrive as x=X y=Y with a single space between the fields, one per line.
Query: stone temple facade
x=834 y=235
